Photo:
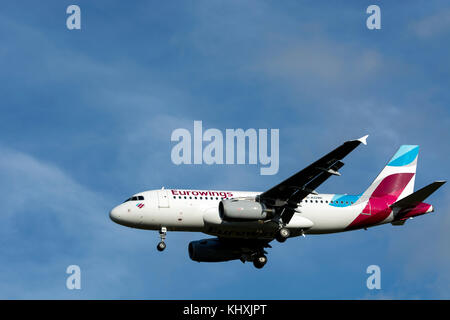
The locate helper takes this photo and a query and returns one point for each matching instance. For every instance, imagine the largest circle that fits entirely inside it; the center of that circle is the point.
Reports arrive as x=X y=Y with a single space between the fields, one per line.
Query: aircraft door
x=163 y=199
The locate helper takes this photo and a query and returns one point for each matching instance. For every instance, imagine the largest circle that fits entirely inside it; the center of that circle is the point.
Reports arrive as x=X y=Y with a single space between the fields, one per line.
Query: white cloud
x=48 y=222
x=433 y=25
x=325 y=61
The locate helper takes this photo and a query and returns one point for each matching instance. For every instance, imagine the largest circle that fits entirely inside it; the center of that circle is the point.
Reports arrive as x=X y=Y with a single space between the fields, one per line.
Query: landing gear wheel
x=260 y=261
x=161 y=246
x=283 y=234
x=162 y=235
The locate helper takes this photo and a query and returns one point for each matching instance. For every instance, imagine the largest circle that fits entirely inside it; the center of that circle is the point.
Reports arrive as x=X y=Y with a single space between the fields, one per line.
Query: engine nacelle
x=213 y=250
x=235 y=209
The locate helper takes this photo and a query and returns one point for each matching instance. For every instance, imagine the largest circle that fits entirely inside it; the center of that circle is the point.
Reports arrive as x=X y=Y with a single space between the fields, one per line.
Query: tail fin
x=396 y=180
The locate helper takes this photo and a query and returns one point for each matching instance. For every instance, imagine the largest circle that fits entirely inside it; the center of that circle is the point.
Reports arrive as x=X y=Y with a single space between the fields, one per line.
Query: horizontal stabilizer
x=417 y=197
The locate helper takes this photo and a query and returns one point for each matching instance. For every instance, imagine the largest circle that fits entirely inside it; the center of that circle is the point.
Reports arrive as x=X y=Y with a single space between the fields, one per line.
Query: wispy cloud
x=434 y=25
x=50 y=221
x=86 y=120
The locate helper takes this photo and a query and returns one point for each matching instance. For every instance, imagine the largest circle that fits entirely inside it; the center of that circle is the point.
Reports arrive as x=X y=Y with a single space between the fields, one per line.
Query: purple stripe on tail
x=386 y=193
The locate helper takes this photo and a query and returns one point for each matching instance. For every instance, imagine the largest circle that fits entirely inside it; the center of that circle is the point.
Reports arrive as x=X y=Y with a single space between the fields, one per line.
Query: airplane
x=244 y=223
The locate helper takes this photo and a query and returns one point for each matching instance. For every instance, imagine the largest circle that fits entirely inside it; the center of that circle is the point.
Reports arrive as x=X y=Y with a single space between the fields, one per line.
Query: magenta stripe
x=392 y=185
x=385 y=194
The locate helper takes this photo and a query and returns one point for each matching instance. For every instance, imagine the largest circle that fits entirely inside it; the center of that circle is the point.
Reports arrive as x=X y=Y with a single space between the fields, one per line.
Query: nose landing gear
x=162 y=234
x=161 y=246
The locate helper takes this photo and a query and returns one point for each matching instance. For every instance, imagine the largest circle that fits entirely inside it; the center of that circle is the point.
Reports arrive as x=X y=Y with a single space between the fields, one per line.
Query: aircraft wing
x=294 y=189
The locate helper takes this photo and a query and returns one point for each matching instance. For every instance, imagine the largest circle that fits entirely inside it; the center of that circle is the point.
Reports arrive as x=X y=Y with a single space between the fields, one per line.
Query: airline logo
x=222 y=194
x=404 y=156
x=140 y=205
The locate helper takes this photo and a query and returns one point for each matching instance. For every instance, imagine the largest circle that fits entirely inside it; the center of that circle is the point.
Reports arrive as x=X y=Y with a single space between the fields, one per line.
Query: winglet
x=363 y=140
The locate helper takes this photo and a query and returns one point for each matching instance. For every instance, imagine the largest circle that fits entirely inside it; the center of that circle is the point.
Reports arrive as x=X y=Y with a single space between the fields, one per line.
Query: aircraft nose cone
x=114 y=214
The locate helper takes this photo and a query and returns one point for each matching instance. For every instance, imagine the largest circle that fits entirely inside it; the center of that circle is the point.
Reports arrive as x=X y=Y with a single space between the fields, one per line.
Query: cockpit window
x=135 y=198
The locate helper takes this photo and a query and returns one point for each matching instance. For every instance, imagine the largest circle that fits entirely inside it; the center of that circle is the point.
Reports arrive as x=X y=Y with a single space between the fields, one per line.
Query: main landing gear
x=283 y=234
x=162 y=234
x=259 y=261
x=257 y=256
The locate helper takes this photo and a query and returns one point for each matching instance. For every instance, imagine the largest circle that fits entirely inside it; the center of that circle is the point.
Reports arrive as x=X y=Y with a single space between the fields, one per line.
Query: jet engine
x=218 y=250
x=236 y=209
x=213 y=250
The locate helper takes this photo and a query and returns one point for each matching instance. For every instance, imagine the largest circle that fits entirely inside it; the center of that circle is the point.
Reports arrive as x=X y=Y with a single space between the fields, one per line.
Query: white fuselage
x=197 y=210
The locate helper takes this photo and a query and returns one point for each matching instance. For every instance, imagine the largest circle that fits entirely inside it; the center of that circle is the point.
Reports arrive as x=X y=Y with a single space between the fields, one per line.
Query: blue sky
x=86 y=119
